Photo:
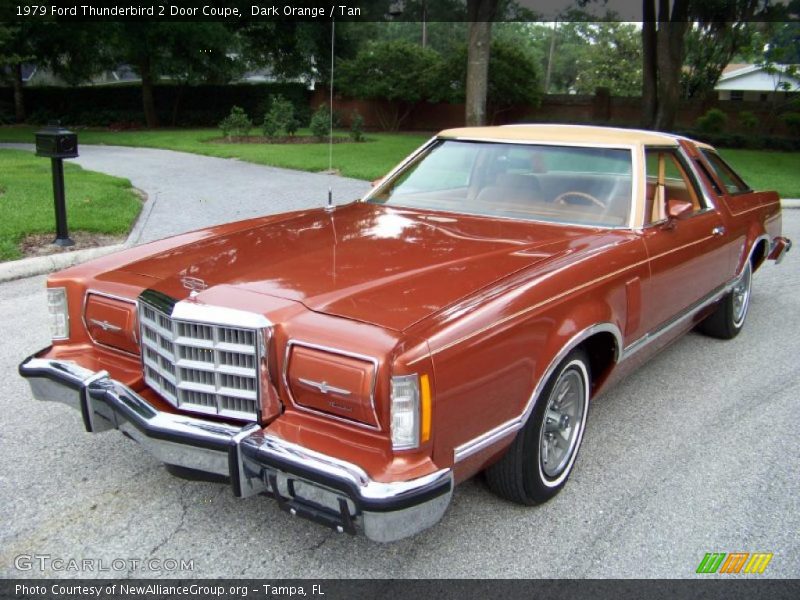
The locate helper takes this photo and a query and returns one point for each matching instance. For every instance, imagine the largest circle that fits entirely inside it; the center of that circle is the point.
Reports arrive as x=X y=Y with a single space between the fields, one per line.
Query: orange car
x=356 y=362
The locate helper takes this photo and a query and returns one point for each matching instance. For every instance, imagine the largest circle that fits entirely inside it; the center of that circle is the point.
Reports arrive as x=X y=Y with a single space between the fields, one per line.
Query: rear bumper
x=304 y=483
x=780 y=247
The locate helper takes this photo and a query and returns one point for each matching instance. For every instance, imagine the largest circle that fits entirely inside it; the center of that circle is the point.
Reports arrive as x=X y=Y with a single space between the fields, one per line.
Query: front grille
x=200 y=367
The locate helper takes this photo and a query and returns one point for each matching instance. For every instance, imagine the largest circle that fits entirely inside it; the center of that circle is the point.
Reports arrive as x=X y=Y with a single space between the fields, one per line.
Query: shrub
x=278 y=117
x=236 y=124
x=356 y=127
x=748 y=120
x=753 y=142
x=200 y=105
x=270 y=125
x=714 y=121
x=320 y=122
x=292 y=125
x=792 y=121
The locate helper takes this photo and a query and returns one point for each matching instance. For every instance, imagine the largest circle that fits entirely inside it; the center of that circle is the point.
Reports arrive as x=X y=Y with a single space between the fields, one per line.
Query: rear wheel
x=539 y=461
x=728 y=318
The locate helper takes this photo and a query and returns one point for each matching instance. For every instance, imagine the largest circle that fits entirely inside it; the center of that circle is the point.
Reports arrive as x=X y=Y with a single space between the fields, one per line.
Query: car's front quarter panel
x=491 y=351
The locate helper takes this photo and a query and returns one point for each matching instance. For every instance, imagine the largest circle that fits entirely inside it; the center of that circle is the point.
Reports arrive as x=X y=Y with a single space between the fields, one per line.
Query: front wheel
x=728 y=318
x=539 y=461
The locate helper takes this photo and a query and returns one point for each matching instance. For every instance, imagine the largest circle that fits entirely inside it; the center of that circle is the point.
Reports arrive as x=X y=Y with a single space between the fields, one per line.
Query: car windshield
x=564 y=184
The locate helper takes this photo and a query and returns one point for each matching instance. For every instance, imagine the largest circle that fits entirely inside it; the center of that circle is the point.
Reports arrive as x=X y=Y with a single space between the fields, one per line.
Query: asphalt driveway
x=696 y=452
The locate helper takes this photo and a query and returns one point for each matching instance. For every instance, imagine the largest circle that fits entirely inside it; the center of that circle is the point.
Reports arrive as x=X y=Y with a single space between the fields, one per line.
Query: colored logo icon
x=734 y=562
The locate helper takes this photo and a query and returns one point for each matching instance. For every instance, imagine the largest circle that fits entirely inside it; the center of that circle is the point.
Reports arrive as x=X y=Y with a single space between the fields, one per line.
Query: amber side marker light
x=425 y=408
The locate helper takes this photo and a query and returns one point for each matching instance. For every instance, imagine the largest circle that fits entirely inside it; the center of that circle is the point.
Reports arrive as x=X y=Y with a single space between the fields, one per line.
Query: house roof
x=756 y=78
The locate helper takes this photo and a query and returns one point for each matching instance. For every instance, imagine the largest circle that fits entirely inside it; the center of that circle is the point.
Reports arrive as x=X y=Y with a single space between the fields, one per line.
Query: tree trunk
x=479 y=41
x=176 y=103
x=669 y=44
x=649 y=65
x=19 y=98
x=148 y=100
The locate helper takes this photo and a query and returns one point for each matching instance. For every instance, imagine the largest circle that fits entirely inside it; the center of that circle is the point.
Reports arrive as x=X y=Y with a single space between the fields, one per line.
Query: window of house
x=737 y=95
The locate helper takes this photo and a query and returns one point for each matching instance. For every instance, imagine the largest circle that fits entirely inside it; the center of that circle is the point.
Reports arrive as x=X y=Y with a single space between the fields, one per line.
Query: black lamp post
x=57 y=143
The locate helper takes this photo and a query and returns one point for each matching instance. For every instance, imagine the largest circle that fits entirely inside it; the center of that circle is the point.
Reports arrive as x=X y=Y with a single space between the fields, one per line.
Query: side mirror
x=678 y=209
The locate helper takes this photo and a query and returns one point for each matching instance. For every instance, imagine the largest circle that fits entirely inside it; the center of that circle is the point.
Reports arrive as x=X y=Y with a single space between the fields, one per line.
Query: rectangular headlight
x=405 y=412
x=59 y=313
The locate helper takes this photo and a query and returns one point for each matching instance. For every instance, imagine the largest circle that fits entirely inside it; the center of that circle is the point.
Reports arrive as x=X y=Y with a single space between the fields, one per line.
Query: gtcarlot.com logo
x=47 y=562
x=734 y=562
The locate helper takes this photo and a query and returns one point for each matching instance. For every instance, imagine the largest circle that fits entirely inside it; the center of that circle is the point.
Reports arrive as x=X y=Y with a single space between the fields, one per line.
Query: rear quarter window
x=733 y=183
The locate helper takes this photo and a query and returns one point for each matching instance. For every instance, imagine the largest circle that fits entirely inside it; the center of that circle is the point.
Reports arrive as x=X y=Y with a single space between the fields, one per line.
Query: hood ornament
x=195 y=285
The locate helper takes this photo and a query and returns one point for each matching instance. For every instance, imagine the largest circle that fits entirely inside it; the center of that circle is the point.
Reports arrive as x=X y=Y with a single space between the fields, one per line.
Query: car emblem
x=194 y=285
x=323 y=387
x=105 y=325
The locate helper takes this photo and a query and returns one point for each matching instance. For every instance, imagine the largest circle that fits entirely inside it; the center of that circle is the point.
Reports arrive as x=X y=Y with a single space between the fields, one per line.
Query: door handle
x=718 y=230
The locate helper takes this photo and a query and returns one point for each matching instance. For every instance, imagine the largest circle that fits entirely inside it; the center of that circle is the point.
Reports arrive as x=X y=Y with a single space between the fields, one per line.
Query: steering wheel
x=562 y=199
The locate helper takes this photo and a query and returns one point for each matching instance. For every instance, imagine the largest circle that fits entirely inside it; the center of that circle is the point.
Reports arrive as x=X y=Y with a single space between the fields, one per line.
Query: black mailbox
x=56 y=142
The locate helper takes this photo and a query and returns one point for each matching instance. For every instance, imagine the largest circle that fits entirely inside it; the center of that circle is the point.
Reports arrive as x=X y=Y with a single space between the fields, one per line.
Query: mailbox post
x=57 y=143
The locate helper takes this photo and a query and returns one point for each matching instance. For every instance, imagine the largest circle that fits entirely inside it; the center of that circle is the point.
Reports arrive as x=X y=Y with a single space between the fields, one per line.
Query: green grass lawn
x=96 y=202
x=764 y=170
x=365 y=160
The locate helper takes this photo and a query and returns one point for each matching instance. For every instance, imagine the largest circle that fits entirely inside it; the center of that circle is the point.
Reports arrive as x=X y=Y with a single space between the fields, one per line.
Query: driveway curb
x=39 y=265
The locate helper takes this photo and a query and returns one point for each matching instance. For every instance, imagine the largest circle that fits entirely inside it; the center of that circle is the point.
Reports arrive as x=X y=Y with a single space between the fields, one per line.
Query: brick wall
x=554 y=108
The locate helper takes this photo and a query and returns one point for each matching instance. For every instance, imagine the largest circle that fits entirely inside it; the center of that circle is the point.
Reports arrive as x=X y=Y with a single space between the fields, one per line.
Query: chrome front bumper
x=304 y=483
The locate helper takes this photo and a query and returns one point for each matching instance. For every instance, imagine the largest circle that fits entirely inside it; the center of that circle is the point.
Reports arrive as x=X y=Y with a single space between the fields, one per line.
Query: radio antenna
x=330 y=117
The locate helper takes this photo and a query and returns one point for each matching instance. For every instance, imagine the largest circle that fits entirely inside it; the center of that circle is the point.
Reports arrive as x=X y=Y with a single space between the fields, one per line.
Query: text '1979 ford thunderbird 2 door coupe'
x=356 y=362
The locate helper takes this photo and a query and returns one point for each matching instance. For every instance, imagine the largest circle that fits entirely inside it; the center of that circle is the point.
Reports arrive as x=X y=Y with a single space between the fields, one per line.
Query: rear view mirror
x=678 y=209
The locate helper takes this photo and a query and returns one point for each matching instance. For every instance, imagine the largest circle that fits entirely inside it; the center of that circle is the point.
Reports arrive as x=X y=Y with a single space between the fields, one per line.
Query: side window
x=667 y=179
x=732 y=182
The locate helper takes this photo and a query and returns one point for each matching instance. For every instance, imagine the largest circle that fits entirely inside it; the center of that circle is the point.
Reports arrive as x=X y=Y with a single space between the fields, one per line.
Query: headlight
x=59 y=313
x=411 y=411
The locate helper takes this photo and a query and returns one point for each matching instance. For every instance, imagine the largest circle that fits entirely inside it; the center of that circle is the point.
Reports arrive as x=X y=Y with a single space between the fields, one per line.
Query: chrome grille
x=200 y=367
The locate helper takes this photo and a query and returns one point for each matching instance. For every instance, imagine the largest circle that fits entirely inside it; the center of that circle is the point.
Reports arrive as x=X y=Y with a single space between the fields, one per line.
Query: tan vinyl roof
x=572 y=134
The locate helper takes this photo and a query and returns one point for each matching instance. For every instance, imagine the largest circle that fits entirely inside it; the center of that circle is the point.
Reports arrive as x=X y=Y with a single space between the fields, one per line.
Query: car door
x=689 y=257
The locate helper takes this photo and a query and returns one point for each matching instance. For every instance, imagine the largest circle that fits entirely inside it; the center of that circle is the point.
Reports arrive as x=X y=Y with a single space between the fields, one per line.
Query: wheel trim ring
x=741 y=296
x=550 y=481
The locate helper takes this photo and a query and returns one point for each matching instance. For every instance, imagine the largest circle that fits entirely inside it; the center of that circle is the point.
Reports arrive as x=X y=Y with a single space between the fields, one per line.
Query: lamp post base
x=63 y=242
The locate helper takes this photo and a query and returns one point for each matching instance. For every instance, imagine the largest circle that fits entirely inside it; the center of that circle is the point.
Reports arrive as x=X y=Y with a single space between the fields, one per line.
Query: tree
x=513 y=77
x=710 y=46
x=610 y=57
x=662 y=46
x=299 y=49
x=185 y=51
x=480 y=14
x=402 y=73
x=664 y=30
x=15 y=49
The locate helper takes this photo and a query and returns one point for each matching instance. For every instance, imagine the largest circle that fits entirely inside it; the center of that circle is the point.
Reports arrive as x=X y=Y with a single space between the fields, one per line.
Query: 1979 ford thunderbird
x=356 y=362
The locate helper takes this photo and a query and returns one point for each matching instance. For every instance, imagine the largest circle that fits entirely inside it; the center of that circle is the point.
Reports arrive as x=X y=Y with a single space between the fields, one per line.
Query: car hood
x=383 y=265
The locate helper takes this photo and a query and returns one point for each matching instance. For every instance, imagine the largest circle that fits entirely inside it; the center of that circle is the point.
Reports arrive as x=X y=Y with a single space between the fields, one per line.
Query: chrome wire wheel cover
x=563 y=422
x=741 y=296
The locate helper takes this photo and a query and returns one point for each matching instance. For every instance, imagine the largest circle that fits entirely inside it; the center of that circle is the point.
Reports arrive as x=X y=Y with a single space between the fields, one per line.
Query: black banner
x=415 y=589
x=353 y=10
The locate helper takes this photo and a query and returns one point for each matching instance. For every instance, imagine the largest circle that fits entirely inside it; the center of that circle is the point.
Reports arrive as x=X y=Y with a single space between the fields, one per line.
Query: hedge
x=200 y=105
x=745 y=141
